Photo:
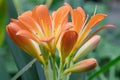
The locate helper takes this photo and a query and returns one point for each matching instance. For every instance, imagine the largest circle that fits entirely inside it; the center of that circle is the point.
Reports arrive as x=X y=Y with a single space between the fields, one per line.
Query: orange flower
x=38 y=28
x=80 y=25
x=77 y=35
x=38 y=33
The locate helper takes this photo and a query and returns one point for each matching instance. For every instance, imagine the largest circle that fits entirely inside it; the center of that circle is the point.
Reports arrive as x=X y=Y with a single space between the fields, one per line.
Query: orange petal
x=30 y=24
x=78 y=17
x=60 y=16
x=41 y=14
x=27 y=45
x=78 y=20
x=103 y=27
x=19 y=24
x=47 y=39
x=66 y=4
x=12 y=31
x=27 y=35
x=25 y=20
x=68 y=40
x=93 y=21
x=67 y=26
x=82 y=12
x=31 y=47
x=14 y=27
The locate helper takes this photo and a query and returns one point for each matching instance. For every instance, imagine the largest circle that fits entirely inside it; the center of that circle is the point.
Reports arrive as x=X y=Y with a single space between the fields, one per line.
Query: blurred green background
x=12 y=59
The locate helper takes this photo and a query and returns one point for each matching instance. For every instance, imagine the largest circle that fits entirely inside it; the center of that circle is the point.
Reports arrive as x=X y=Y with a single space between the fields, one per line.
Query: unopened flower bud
x=67 y=42
x=82 y=66
x=87 y=47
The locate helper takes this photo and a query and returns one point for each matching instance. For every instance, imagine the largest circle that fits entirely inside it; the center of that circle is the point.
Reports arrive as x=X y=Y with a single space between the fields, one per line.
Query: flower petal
x=78 y=20
x=18 y=24
x=68 y=40
x=78 y=17
x=82 y=12
x=67 y=26
x=103 y=27
x=27 y=35
x=41 y=15
x=60 y=16
x=28 y=22
x=11 y=30
x=93 y=21
x=40 y=41
x=27 y=45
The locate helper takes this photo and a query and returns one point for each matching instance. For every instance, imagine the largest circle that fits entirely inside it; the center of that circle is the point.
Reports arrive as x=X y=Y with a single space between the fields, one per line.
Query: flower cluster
x=43 y=35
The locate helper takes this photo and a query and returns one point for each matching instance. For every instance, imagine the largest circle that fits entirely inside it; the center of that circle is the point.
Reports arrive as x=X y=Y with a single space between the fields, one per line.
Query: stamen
x=84 y=24
x=95 y=9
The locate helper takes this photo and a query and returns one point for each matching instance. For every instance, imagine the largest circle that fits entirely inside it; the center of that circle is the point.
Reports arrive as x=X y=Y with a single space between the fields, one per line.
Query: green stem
x=60 y=75
x=54 y=68
x=24 y=69
x=46 y=72
x=69 y=60
x=69 y=63
x=67 y=76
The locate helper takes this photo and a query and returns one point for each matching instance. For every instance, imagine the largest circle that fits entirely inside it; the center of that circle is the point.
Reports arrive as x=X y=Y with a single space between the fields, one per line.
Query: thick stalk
x=60 y=72
x=46 y=72
x=54 y=68
x=69 y=63
x=69 y=60
x=67 y=76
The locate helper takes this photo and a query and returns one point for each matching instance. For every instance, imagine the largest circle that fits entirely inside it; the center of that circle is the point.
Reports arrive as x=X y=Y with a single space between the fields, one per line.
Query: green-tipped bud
x=82 y=66
x=87 y=47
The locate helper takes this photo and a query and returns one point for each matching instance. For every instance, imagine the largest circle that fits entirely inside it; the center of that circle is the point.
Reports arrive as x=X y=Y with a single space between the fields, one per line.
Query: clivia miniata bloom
x=41 y=34
x=38 y=28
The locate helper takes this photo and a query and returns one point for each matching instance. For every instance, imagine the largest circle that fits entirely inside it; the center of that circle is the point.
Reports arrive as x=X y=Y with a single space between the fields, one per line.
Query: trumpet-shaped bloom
x=81 y=27
x=67 y=31
x=38 y=28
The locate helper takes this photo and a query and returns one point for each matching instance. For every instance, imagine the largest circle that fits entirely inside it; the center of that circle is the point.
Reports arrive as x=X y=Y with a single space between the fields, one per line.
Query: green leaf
x=40 y=71
x=24 y=69
x=3 y=73
x=104 y=68
x=2 y=20
x=21 y=58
